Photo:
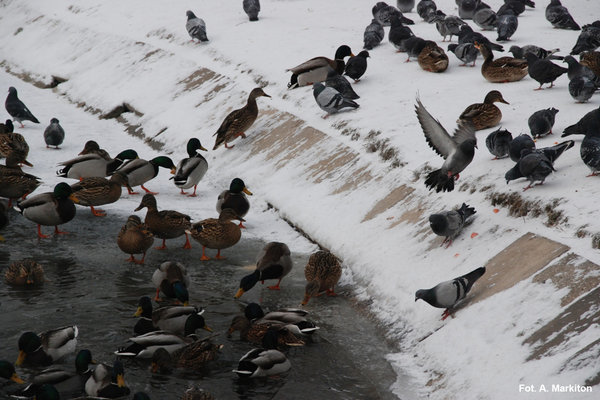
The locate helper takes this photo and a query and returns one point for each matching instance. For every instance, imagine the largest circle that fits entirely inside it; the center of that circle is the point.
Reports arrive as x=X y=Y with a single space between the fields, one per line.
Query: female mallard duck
x=274 y=262
x=190 y=170
x=433 y=58
x=93 y=161
x=165 y=224
x=235 y=198
x=144 y=346
x=11 y=142
x=254 y=332
x=264 y=361
x=181 y=320
x=7 y=126
x=7 y=371
x=294 y=319
x=140 y=171
x=135 y=238
x=484 y=115
x=172 y=279
x=195 y=393
x=192 y=357
x=315 y=69
x=504 y=69
x=98 y=191
x=217 y=233
x=591 y=59
x=24 y=273
x=14 y=183
x=238 y=121
x=107 y=382
x=47 y=347
x=50 y=208
x=323 y=271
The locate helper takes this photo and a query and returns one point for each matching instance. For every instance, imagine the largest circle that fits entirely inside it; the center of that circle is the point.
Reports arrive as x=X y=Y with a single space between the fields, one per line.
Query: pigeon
x=196 y=27
x=251 y=8
x=465 y=52
x=17 y=110
x=516 y=7
x=426 y=8
x=541 y=122
x=341 y=84
x=383 y=13
x=373 y=35
x=581 y=88
x=357 y=65
x=485 y=19
x=576 y=69
x=589 y=38
x=448 y=25
x=588 y=124
x=7 y=127
x=458 y=150
x=467 y=8
x=450 y=223
x=590 y=146
x=519 y=143
x=398 y=34
x=54 y=134
x=498 y=143
x=506 y=24
x=559 y=16
x=528 y=3
x=405 y=5
x=414 y=45
x=543 y=70
x=467 y=35
x=541 y=53
x=447 y=294
x=330 y=100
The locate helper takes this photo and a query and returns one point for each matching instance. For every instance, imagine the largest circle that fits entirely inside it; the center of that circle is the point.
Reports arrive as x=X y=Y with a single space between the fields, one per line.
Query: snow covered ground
x=138 y=52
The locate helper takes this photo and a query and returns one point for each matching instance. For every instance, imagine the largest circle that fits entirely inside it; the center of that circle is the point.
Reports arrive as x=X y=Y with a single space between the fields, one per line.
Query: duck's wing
x=311 y=64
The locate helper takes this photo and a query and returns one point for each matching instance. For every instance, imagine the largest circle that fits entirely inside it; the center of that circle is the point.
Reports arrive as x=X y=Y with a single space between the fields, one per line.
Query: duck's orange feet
x=242 y=226
x=275 y=287
x=40 y=234
x=219 y=256
x=98 y=212
x=164 y=246
x=193 y=194
x=204 y=256
x=242 y=135
x=187 y=244
x=156 y=298
x=148 y=191
x=131 y=259
x=140 y=261
x=59 y=232
x=182 y=192
x=331 y=292
x=130 y=191
x=446 y=314
x=228 y=147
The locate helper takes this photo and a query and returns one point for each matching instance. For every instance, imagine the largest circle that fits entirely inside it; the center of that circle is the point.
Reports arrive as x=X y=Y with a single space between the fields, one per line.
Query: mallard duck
x=263 y=361
x=433 y=58
x=192 y=357
x=165 y=224
x=191 y=170
x=254 y=332
x=107 y=382
x=181 y=320
x=484 y=115
x=93 y=161
x=98 y=191
x=7 y=371
x=135 y=238
x=322 y=272
x=274 y=262
x=172 y=279
x=235 y=198
x=47 y=347
x=591 y=59
x=54 y=134
x=294 y=319
x=217 y=233
x=14 y=183
x=238 y=121
x=24 y=273
x=195 y=393
x=50 y=208
x=12 y=142
x=144 y=346
x=7 y=126
x=315 y=69
x=139 y=171
x=504 y=69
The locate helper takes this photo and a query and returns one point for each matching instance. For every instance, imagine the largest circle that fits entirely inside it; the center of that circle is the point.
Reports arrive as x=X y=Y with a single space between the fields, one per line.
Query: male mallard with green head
x=191 y=170
x=274 y=262
x=93 y=161
x=140 y=171
x=315 y=69
x=165 y=224
x=172 y=279
x=235 y=198
x=47 y=347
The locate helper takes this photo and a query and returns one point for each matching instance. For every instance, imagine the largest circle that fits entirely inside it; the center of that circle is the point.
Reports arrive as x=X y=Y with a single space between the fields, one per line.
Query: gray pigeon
x=536 y=165
x=588 y=124
x=465 y=52
x=357 y=65
x=589 y=38
x=516 y=7
x=448 y=294
x=543 y=70
x=485 y=18
x=196 y=27
x=54 y=134
x=251 y=8
x=467 y=8
x=506 y=24
x=426 y=9
x=581 y=88
x=467 y=35
x=519 y=143
x=541 y=53
x=590 y=146
x=528 y=3
x=559 y=16
x=457 y=150
x=448 y=25
x=498 y=143
x=405 y=5
x=450 y=223
x=576 y=69
x=414 y=45
x=341 y=84
x=383 y=13
x=330 y=100
x=373 y=35
x=17 y=110
x=541 y=122
x=398 y=34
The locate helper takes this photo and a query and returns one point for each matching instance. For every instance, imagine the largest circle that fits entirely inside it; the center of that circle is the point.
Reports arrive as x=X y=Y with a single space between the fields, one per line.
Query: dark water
x=90 y=285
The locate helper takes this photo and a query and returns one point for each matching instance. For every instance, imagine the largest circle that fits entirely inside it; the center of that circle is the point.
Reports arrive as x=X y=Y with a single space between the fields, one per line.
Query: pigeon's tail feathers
x=572 y=130
x=472 y=277
x=466 y=211
x=553 y=152
x=440 y=181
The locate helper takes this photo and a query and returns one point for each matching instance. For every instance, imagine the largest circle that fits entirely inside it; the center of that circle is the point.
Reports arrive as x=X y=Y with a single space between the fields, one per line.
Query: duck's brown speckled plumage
x=166 y=224
x=12 y=142
x=14 y=183
x=98 y=191
x=433 y=58
x=135 y=238
x=591 y=59
x=218 y=233
x=323 y=271
x=24 y=273
x=484 y=115
x=503 y=69
x=197 y=394
x=254 y=332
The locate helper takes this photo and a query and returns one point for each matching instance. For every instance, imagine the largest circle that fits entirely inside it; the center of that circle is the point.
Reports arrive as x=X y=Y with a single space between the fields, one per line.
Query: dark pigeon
x=589 y=38
x=465 y=52
x=559 y=16
x=541 y=122
x=467 y=35
x=516 y=7
x=251 y=8
x=54 y=134
x=357 y=65
x=196 y=27
x=414 y=45
x=405 y=5
x=590 y=146
x=373 y=35
x=576 y=69
x=588 y=124
x=528 y=3
x=398 y=34
x=518 y=144
x=341 y=84
x=485 y=19
x=330 y=100
x=383 y=13
x=467 y=8
x=543 y=70
x=498 y=143
x=17 y=110
x=457 y=150
x=448 y=294
x=506 y=25
x=448 y=25
x=519 y=52
x=426 y=8
x=581 y=88
x=450 y=223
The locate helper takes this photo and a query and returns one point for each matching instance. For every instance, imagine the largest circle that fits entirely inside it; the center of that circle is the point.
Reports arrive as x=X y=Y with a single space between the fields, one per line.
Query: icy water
x=91 y=286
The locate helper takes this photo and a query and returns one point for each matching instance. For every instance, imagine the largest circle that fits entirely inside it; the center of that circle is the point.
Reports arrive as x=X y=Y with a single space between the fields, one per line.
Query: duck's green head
x=144 y=307
x=238 y=186
x=270 y=339
x=83 y=359
x=253 y=311
x=181 y=292
x=247 y=283
x=47 y=392
x=7 y=371
x=128 y=154
x=165 y=162
x=194 y=322
x=64 y=191
x=141 y=395
x=29 y=342
x=161 y=362
x=193 y=145
x=118 y=374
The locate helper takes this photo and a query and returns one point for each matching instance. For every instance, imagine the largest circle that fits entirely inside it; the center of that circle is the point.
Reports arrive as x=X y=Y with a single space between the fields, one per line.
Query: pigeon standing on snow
x=426 y=9
x=330 y=100
x=251 y=8
x=383 y=13
x=516 y=146
x=17 y=110
x=54 y=134
x=589 y=38
x=357 y=65
x=196 y=27
x=559 y=16
x=373 y=35
x=458 y=150
x=543 y=70
x=414 y=45
x=399 y=33
x=519 y=52
x=450 y=223
x=341 y=84
x=517 y=7
x=405 y=5
x=506 y=24
x=576 y=69
x=465 y=52
x=581 y=88
x=485 y=18
x=467 y=8
x=590 y=149
x=448 y=294
x=448 y=25
x=467 y=35
x=498 y=143
x=541 y=122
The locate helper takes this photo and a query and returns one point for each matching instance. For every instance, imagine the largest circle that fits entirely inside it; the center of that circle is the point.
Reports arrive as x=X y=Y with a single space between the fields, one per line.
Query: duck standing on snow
x=432 y=57
x=450 y=223
x=47 y=347
x=54 y=134
x=12 y=142
x=238 y=121
x=251 y=8
x=322 y=272
x=484 y=115
x=135 y=238
x=165 y=224
x=17 y=109
x=195 y=27
x=218 y=233
x=235 y=198
x=274 y=262
x=191 y=170
x=330 y=100
x=139 y=171
x=14 y=183
x=357 y=65
x=315 y=69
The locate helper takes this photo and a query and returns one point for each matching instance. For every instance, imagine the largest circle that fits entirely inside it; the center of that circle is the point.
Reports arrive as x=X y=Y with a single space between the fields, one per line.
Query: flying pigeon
x=465 y=52
x=589 y=38
x=458 y=150
x=54 y=134
x=17 y=110
x=518 y=144
x=399 y=33
x=589 y=123
x=543 y=70
x=341 y=84
x=357 y=65
x=450 y=223
x=506 y=24
x=519 y=52
x=196 y=27
x=373 y=35
x=541 y=122
x=448 y=294
x=498 y=143
x=251 y=8
x=581 y=88
x=330 y=100
x=559 y=16
x=485 y=18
